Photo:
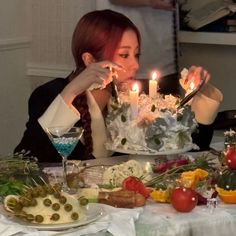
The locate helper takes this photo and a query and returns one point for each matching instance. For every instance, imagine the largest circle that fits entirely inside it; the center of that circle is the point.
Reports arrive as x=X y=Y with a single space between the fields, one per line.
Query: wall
x=15 y=88
x=53 y=25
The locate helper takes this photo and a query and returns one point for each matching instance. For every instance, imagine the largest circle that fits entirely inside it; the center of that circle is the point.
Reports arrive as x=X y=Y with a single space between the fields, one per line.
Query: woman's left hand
x=195 y=75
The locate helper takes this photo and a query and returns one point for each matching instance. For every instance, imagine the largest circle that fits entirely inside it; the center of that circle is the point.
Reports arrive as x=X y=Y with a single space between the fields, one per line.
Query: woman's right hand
x=99 y=73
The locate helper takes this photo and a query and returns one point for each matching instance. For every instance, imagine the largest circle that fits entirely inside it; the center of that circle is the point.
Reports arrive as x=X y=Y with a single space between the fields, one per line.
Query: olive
x=55 y=217
x=35 y=192
x=74 y=216
x=33 y=202
x=68 y=207
x=47 y=202
x=62 y=199
x=57 y=195
x=42 y=193
x=29 y=217
x=18 y=207
x=83 y=201
x=25 y=202
x=55 y=206
x=39 y=218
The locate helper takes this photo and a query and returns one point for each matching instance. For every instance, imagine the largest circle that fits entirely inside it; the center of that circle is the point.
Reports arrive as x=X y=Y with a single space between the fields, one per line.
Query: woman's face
x=127 y=56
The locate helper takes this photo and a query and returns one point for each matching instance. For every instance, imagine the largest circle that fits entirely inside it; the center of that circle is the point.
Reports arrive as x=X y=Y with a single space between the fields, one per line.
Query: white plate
x=92 y=213
x=153 y=152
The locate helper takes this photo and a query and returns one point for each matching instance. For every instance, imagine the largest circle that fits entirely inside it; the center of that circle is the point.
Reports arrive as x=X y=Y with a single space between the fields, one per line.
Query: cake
x=159 y=125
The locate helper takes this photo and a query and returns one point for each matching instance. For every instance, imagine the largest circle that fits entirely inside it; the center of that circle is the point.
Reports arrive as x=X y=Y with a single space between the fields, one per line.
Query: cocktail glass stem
x=65 y=187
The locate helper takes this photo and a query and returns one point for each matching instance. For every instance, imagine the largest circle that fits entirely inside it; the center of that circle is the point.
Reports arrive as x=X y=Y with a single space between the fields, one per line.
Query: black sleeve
x=203 y=136
x=35 y=140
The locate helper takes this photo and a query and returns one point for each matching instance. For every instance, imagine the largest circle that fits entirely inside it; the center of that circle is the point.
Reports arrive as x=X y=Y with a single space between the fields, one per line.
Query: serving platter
x=92 y=212
x=153 y=152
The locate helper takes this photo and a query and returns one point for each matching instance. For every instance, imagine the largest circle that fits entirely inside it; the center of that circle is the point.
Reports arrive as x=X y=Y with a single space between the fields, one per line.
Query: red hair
x=99 y=33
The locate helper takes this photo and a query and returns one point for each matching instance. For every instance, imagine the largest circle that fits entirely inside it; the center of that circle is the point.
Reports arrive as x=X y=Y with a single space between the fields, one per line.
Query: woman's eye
x=124 y=55
x=138 y=55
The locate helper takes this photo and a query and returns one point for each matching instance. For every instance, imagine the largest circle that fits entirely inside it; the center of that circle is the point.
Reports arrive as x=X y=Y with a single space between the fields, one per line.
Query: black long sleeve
x=35 y=140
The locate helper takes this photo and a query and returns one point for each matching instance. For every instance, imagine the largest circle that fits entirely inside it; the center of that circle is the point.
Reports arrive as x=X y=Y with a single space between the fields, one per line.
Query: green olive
x=56 y=206
x=33 y=202
x=83 y=201
x=39 y=218
x=29 y=217
x=43 y=193
x=47 y=202
x=62 y=199
x=68 y=207
x=57 y=194
x=55 y=217
x=74 y=216
x=18 y=207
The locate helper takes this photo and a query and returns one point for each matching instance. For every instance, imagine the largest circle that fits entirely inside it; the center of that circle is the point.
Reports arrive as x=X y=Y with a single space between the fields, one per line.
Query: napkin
x=117 y=221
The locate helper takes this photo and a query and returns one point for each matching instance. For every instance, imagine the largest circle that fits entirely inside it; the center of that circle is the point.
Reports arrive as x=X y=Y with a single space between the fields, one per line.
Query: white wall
x=14 y=49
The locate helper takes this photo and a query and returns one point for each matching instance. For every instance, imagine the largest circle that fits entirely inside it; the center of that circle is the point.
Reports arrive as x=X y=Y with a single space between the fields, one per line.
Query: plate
x=153 y=152
x=92 y=213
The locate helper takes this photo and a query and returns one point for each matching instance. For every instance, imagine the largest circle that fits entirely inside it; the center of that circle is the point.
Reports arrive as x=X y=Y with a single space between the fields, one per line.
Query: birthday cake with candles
x=144 y=124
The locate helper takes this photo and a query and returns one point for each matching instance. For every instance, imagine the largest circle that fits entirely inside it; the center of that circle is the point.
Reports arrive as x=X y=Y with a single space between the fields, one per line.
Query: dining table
x=153 y=219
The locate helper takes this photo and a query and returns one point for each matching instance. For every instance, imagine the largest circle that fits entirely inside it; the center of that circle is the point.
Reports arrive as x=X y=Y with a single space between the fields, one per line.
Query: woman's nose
x=134 y=64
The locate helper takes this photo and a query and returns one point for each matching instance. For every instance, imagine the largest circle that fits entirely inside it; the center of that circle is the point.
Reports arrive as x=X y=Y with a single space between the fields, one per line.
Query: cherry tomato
x=184 y=199
x=134 y=184
x=230 y=158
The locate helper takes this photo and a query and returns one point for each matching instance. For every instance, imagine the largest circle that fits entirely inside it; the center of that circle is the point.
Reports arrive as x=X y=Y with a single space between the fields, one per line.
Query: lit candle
x=134 y=100
x=192 y=86
x=153 y=84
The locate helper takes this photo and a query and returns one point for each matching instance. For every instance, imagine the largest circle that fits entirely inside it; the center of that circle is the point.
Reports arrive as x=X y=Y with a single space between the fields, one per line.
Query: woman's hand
x=99 y=73
x=195 y=75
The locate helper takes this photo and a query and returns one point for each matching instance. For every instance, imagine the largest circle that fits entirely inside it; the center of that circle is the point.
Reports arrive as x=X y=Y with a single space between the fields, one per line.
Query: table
x=161 y=219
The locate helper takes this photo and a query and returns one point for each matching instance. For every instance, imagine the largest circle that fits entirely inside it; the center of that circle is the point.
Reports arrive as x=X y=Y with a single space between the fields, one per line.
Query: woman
x=103 y=42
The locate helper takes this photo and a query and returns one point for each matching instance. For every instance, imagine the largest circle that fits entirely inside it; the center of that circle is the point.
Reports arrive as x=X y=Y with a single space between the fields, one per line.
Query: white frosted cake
x=158 y=126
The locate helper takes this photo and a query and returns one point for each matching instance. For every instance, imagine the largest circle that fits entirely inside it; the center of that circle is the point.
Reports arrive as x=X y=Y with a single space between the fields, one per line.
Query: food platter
x=153 y=152
x=92 y=212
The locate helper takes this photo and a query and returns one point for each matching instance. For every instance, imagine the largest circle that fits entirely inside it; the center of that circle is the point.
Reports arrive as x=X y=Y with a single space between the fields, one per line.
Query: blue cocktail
x=64 y=139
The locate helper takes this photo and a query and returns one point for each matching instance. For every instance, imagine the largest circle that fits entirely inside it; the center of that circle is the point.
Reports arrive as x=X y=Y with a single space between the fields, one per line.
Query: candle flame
x=191 y=86
x=155 y=75
x=135 y=87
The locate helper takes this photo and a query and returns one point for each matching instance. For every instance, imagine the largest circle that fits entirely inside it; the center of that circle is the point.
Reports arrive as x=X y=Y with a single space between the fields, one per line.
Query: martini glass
x=64 y=139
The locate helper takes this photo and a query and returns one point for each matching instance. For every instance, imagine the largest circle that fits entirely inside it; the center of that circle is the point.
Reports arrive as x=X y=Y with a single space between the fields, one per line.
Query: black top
x=37 y=142
x=35 y=139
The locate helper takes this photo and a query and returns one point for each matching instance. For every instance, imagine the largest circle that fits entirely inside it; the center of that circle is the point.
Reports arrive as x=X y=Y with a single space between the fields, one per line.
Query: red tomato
x=230 y=158
x=134 y=184
x=184 y=199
